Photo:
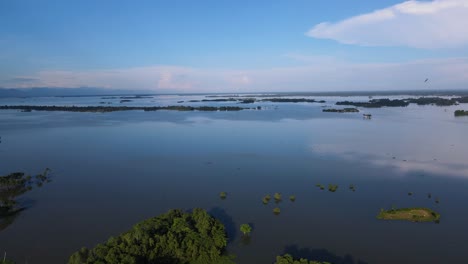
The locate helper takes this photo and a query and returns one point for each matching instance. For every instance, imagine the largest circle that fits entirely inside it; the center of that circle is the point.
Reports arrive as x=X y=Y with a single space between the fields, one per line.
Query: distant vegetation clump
x=344 y=110
x=461 y=113
x=171 y=238
x=332 y=187
x=266 y=199
x=277 y=197
x=288 y=259
x=409 y=214
x=223 y=195
x=320 y=186
x=376 y=103
x=292 y=198
x=276 y=211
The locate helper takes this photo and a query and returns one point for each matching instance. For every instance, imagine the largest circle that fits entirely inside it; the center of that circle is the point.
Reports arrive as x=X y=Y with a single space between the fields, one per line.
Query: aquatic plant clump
x=288 y=259
x=173 y=237
x=223 y=195
x=266 y=199
x=277 y=197
x=276 y=211
x=292 y=198
x=409 y=214
x=332 y=187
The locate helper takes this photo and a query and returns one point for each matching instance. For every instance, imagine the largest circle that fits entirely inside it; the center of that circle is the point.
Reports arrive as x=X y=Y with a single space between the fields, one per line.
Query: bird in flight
x=427 y=79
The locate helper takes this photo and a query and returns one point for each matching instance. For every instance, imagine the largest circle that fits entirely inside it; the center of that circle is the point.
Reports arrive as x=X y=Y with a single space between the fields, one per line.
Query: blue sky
x=229 y=46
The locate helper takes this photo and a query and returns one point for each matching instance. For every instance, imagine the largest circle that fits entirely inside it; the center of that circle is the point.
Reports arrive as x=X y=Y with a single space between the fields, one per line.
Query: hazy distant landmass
x=82 y=91
x=90 y=91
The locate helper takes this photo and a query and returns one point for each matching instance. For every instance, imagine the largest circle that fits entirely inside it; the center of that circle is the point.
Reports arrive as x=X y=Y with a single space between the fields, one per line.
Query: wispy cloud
x=315 y=75
x=435 y=24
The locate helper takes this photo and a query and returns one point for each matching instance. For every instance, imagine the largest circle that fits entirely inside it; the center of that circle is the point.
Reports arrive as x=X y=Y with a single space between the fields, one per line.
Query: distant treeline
x=376 y=103
x=102 y=109
x=461 y=113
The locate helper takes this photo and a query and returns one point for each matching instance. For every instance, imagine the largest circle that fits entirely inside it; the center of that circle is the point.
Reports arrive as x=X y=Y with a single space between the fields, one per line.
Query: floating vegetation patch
x=223 y=195
x=277 y=197
x=266 y=199
x=276 y=211
x=292 y=198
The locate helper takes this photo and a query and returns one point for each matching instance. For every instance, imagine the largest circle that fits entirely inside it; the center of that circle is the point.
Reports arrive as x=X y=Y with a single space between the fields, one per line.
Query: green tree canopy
x=175 y=237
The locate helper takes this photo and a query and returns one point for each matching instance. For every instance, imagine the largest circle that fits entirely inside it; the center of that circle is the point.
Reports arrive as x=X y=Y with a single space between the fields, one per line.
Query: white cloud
x=435 y=24
x=322 y=74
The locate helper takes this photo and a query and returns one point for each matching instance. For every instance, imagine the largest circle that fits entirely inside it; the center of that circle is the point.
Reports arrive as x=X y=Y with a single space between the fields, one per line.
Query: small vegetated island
x=461 y=113
x=103 y=109
x=175 y=237
x=409 y=214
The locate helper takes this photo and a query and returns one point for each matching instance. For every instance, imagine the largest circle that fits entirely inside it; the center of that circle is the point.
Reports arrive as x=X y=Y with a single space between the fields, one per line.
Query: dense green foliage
x=245 y=229
x=288 y=259
x=176 y=237
x=14 y=185
x=461 y=113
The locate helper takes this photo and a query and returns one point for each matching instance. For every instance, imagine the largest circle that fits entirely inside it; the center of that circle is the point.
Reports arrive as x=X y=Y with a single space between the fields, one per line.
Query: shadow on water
x=6 y=219
x=320 y=255
x=221 y=215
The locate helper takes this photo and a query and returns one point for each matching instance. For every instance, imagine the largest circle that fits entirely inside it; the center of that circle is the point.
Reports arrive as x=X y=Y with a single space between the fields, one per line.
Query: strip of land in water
x=103 y=109
x=410 y=214
x=377 y=103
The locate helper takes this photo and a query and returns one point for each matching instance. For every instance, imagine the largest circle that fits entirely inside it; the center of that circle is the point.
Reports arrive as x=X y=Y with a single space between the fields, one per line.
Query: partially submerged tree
x=246 y=229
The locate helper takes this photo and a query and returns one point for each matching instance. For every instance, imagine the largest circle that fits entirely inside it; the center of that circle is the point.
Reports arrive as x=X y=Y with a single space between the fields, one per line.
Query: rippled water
x=111 y=170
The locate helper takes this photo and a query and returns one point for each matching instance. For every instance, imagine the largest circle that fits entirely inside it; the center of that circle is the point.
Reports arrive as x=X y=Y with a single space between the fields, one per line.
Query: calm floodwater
x=113 y=170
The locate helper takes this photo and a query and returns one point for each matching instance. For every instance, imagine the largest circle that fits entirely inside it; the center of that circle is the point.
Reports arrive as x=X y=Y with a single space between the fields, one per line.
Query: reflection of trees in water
x=12 y=186
x=7 y=220
x=320 y=255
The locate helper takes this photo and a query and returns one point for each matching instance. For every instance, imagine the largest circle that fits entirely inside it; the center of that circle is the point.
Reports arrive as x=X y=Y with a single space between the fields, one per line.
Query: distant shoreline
x=90 y=92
